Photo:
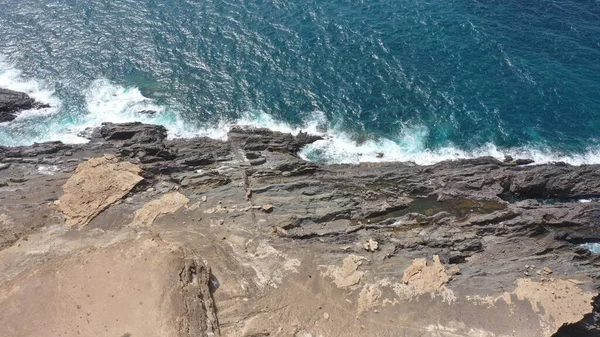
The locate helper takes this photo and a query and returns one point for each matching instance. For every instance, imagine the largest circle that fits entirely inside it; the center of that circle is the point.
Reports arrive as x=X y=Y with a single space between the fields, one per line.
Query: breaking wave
x=12 y=78
x=105 y=101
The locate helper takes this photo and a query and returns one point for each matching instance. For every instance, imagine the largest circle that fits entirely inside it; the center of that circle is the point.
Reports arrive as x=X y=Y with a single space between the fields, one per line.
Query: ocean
x=420 y=81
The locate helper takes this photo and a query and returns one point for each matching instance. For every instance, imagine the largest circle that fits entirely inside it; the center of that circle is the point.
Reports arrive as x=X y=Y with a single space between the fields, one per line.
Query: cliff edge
x=136 y=235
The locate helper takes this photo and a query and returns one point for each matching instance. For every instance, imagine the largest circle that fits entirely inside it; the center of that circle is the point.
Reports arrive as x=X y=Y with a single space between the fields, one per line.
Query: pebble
x=203 y=198
x=267 y=208
x=371 y=245
x=326 y=315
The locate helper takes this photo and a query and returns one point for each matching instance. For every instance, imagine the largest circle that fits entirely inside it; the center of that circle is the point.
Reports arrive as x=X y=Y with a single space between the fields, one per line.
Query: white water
x=339 y=147
x=13 y=79
x=108 y=102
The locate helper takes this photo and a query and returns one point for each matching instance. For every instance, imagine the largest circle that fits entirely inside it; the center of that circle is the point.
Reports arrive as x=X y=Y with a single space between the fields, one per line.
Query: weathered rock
x=168 y=203
x=109 y=290
x=203 y=180
x=258 y=161
x=560 y=301
x=96 y=184
x=424 y=278
x=133 y=132
x=524 y=161
x=371 y=245
x=12 y=102
x=482 y=220
x=347 y=274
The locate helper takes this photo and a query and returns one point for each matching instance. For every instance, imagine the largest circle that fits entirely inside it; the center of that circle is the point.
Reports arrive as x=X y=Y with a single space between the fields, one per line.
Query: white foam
x=108 y=102
x=48 y=170
x=410 y=146
x=340 y=147
x=13 y=79
x=593 y=247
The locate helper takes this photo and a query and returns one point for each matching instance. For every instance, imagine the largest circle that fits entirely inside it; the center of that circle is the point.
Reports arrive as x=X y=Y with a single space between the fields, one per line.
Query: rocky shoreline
x=14 y=102
x=134 y=235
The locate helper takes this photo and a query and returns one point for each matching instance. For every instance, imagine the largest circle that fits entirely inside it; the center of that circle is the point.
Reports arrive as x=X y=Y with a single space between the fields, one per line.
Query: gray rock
x=485 y=217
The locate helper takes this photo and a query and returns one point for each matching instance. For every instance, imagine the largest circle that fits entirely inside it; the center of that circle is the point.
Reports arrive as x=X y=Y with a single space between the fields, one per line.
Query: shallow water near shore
x=414 y=81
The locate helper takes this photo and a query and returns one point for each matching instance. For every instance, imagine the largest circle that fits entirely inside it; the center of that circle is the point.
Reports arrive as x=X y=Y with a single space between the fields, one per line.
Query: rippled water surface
x=416 y=80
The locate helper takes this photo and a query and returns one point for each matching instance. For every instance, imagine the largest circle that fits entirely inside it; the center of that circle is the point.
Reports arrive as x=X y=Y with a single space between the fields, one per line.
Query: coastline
x=245 y=238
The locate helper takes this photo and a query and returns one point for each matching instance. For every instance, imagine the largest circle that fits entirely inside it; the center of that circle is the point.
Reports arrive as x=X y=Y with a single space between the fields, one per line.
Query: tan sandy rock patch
x=423 y=278
x=346 y=275
x=369 y=297
x=96 y=184
x=560 y=301
x=168 y=203
x=143 y=288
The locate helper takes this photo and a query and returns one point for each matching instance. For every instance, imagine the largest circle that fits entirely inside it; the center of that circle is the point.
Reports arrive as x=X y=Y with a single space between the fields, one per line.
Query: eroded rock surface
x=96 y=185
x=243 y=238
x=168 y=203
x=139 y=288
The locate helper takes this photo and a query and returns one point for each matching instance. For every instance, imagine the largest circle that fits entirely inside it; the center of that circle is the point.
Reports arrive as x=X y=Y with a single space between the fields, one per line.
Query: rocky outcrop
x=287 y=247
x=96 y=185
x=12 y=102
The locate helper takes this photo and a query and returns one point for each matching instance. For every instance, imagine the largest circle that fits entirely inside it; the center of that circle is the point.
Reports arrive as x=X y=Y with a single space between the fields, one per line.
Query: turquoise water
x=416 y=80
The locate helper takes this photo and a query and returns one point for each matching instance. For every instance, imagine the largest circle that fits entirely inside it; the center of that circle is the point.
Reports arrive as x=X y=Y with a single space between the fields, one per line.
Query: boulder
x=135 y=132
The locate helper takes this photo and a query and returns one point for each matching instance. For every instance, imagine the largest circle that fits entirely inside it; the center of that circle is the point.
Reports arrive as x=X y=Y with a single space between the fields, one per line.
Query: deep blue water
x=417 y=80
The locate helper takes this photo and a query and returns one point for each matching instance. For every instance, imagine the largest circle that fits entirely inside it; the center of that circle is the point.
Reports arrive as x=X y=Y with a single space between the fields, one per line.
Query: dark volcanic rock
x=506 y=236
x=524 y=161
x=253 y=140
x=12 y=102
x=133 y=132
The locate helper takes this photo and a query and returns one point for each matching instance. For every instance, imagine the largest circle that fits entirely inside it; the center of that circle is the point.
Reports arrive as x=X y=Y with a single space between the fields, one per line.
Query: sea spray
x=12 y=78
